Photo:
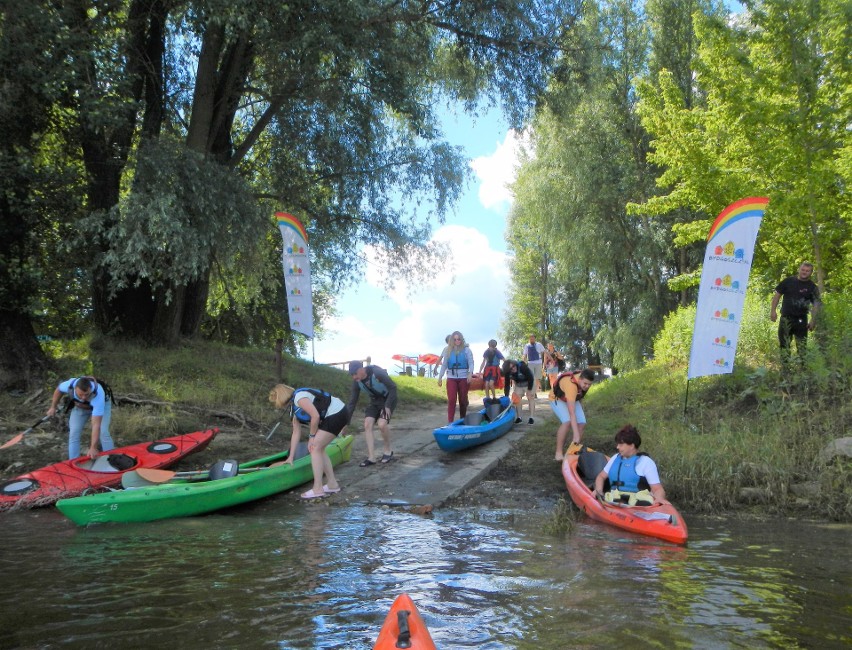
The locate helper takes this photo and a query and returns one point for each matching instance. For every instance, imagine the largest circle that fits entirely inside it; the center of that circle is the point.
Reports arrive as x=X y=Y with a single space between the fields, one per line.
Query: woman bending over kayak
x=632 y=475
x=326 y=417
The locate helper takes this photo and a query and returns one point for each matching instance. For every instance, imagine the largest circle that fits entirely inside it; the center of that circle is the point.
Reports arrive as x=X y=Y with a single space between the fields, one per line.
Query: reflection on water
x=289 y=575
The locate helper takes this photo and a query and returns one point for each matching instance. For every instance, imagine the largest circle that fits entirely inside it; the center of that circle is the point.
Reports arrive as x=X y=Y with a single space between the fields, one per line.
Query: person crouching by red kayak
x=564 y=398
x=89 y=400
x=632 y=475
x=326 y=417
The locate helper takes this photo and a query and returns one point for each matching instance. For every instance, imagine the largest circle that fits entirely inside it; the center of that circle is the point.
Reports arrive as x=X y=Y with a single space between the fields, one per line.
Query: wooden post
x=279 y=364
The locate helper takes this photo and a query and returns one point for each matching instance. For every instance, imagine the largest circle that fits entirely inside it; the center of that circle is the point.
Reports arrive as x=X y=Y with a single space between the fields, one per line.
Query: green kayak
x=187 y=497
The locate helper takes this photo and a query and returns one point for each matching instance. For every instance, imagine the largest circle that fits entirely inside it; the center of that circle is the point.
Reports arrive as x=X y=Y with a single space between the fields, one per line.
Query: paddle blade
x=132 y=479
x=13 y=441
x=20 y=436
x=155 y=475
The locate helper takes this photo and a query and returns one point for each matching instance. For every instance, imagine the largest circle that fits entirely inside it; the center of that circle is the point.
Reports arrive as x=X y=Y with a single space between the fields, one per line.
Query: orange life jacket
x=560 y=394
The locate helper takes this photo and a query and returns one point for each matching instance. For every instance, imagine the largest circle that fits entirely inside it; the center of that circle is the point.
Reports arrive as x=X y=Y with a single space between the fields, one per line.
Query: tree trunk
x=22 y=362
x=195 y=306
x=131 y=311
x=165 y=328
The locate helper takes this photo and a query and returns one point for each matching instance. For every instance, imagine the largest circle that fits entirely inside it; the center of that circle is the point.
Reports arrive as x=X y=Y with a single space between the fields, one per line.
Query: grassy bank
x=750 y=441
x=204 y=375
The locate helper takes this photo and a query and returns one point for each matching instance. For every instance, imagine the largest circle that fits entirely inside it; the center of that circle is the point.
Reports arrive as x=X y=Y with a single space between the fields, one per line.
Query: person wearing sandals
x=376 y=382
x=327 y=417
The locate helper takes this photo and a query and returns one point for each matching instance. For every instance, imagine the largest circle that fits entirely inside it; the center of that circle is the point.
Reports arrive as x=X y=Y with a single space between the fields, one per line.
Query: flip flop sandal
x=310 y=494
x=329 y=490
x=366 y=463
x=386 y=458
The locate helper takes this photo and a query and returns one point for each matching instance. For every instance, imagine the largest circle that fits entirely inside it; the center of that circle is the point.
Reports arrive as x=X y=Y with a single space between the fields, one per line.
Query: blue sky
x=468 y=294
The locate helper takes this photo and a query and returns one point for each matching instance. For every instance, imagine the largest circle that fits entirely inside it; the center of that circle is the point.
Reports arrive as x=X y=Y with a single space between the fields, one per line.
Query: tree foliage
x=187 y=123
x=609 y=266
x=731 y=107
x=775 y=124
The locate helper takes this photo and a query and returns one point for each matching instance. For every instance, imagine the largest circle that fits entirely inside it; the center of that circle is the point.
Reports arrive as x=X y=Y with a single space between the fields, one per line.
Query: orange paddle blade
x=155 y=475
x=13 y=441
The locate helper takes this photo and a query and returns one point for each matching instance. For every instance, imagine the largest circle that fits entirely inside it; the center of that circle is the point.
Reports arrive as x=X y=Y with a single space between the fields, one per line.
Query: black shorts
x=334 y=423
x=374 y=410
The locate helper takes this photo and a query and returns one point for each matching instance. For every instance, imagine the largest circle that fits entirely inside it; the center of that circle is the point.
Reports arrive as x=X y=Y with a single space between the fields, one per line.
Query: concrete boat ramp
x=420 y=473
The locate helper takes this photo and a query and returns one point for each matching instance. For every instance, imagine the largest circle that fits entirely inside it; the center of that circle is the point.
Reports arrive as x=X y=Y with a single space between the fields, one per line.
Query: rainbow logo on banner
x=742 y=209
x=724 y=280
x=297 y=273
x=292 y=223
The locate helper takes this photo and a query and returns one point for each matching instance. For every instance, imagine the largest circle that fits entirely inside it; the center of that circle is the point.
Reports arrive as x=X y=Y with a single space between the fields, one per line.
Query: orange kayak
x=403 y=628
x=660 y=521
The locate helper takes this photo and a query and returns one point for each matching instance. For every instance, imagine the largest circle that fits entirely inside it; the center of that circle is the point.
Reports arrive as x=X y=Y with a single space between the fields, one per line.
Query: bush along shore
x=757 y=441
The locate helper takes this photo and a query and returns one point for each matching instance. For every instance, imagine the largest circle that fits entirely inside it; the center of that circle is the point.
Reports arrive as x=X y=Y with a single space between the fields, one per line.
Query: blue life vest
x=491 y=358
x=623 y=476
x=532 y=353
x=322 y=401
x=457 y=360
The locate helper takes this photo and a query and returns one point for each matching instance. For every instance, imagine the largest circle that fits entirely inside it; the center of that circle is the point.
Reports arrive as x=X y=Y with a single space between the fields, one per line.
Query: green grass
x=205 y=375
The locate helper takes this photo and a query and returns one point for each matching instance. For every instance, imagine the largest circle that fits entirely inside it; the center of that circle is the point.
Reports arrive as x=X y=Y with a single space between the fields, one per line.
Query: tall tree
x=33 y=76
x=590 y=161
x=775 y=123
x=193 y=120
x=325 y=109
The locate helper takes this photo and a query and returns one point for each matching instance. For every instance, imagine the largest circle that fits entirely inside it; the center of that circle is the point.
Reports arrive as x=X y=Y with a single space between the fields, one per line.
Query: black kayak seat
x=223 y=469
x=589 y=465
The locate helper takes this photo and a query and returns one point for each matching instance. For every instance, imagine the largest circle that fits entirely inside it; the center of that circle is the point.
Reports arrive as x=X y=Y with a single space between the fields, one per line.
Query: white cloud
x=467 y=294
x=499 y=170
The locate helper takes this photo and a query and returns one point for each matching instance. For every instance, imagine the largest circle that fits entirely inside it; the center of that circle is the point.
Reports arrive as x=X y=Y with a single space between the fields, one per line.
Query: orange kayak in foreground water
x=403 y=628
x=660 y=521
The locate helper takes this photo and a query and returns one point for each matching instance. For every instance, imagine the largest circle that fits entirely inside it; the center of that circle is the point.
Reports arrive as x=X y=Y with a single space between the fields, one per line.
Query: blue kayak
x=460 y=435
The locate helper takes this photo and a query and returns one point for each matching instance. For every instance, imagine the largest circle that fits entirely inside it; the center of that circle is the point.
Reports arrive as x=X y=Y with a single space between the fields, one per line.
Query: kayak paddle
x=20 y=436
x=145 y=476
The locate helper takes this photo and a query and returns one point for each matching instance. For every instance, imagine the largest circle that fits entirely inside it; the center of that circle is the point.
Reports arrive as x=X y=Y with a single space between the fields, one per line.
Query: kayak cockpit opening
x=108 y=463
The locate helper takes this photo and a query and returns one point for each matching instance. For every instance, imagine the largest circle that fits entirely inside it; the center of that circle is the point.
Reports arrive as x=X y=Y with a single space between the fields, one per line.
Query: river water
x=282 y=574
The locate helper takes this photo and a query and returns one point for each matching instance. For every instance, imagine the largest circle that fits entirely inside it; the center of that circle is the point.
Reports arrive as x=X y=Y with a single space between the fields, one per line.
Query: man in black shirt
x=519 y=373
x=799 y=293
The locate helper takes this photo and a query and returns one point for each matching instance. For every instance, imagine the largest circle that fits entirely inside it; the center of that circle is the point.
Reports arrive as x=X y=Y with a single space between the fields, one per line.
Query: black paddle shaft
x=404 y=638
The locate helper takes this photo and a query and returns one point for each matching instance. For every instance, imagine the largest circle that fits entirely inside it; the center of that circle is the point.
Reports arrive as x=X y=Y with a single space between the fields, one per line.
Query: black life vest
x=322 y=401
x=557 y=389
x=373 y=386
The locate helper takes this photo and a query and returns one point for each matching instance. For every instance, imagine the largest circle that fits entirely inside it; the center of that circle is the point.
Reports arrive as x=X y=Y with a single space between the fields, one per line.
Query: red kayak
x=660 y=521
x=403 y=628
x=71 y=478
